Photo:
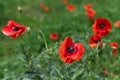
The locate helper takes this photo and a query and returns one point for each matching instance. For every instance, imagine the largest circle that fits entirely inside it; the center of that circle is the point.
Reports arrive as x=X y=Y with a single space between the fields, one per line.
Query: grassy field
x=29 y=60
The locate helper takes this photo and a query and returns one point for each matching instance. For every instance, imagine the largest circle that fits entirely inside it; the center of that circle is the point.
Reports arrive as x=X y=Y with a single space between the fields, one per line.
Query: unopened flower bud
x=19 y=9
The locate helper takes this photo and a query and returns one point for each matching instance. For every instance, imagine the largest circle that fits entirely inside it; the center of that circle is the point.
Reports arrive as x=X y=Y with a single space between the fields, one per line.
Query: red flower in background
x=117 y=23
x=115 y=47
x=70 y=7
x=88 y=6
x=105 y=72
x=64 y=1
x=13 y=29
x=44 y=7
x=70 y=52
x=94 y=40
x=90 y=13
x=53 y=36
x=101 y=27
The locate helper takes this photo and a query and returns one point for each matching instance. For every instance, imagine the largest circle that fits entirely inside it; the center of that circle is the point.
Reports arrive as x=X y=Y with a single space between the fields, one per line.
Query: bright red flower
x=117 y=23
x=70 y=7
x=90 y=13
x=70 y=52
x=94 y=40
x=101 y=27
x=88 y=6
x=53 y=36
x=13 y=29
x=115 y=47
x=64 y=1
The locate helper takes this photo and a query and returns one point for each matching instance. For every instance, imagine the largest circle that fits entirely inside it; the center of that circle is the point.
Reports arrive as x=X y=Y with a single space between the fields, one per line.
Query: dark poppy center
x=102 y=25
x=15 y=28
x=70 y=49
x=96 y=41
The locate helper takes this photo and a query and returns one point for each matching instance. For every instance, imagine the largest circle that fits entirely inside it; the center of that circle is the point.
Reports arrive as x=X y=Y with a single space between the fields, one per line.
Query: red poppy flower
x=53 y=36
x=64 y=1
x=44 y=7
x=117 y=23
x=90 y=13
x=94 y=40
x=101 y=27
x=88 y=6
x=115 y=47
x=70 y=52
x=70 y=7
x=13 y=29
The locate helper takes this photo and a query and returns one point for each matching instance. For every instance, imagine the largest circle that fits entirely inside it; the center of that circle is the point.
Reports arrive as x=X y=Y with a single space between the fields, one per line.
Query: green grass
x=48 y=66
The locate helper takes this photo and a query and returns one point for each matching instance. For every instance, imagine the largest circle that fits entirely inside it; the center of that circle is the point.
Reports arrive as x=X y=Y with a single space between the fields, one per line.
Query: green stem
x=46 y=46
x=23 y=39
x=28 y=43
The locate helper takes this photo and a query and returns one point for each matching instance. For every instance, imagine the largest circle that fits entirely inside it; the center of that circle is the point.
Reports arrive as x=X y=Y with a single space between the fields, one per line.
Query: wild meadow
x=59 y=40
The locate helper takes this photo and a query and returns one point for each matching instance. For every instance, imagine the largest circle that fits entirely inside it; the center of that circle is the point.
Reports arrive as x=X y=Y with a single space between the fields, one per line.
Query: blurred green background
x=57 y=19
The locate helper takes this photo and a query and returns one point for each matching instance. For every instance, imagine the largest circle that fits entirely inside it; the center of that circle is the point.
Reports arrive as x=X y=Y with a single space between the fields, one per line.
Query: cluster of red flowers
x=90 y=12
x=70 y=7
x=101 y=28
x=68 y=50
